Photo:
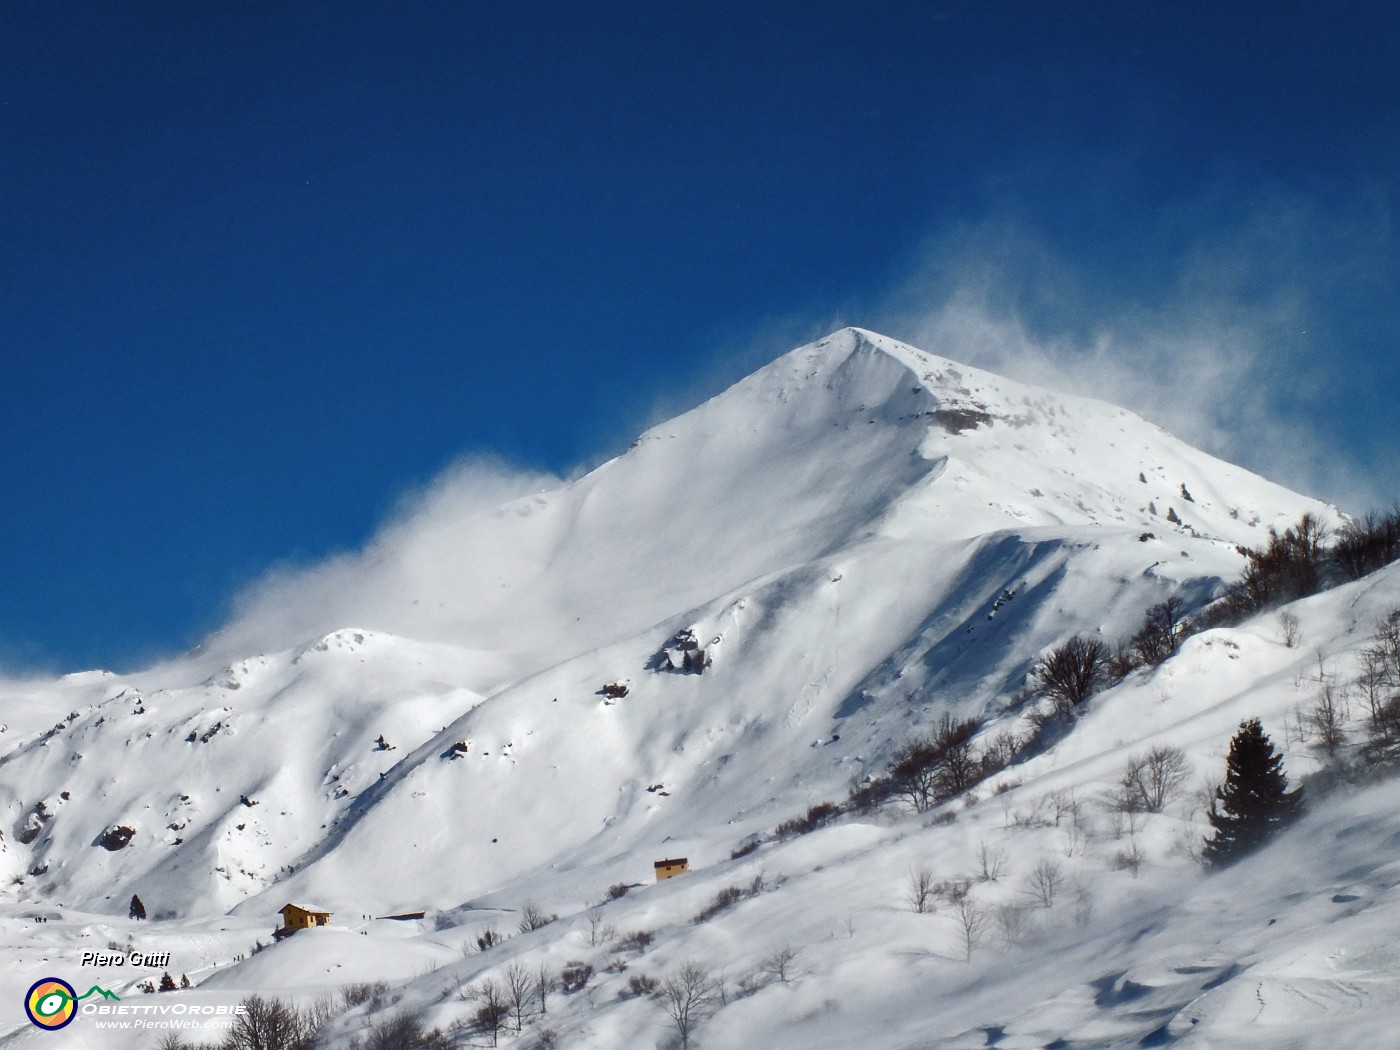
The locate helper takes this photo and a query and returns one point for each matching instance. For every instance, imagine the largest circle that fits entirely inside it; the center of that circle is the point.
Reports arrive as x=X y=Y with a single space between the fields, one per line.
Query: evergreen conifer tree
x=1254 y=803
x=137 y=910
x=167 y=983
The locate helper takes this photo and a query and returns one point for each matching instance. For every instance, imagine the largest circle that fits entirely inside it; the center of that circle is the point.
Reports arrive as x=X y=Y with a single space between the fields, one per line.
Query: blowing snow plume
x=427 y=573
x=1231 y=353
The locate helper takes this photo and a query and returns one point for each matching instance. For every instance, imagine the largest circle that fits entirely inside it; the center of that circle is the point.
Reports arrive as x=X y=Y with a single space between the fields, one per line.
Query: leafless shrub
x=1070 y=673
x=488 y=938
x=599 y=931
x=919 y=892
x=352 y=995
x=1018 y=818
x=1122 y=821
x=1151 y=780
x=728 y=897
x=403 y=1031
x=1001 y=751
x=817 y=816
x=952 y=890
x=1044 y=882
x=271 y=1024
x=640 y=984
x=533 y=917
x=1160 y=634
x=928 y=770
x=1368 y=543
x=575 y=976
x=1130 y=858
x=636 y=941
x=1001 y=787
x=1188 y=843
x=1327 y=719
x=1010 y=918
x=1288 y=567
x=1290 y=630
x=991 y=862
x=1083 y=910
x=1378 y=685
x=780 y=964
x=1068 y=814
x=1064 y=805
x=617 y=890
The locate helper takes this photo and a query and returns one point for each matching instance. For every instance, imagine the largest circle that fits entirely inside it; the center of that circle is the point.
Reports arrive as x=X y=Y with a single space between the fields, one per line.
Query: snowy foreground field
x=513 y=711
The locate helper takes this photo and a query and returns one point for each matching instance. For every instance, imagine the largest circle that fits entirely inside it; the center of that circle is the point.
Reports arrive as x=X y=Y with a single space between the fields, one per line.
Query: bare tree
x=1069 y=674
x=1044 y=882
x=972 y=923
x=1327 y=718
x=1364 y=545
x=1011 y=921
x=519 y=988
x=1379 y=686
x=929 y=769
x=688 y=995
x=1161 y=632
x=599 y=932
x=1083 y=910
x=780 y=964
x=269 y=1024
x=544 y=981
x=921 y=889
x=991 y=862
x=1151 y=780
x=493 y=1009
x=1289 y=628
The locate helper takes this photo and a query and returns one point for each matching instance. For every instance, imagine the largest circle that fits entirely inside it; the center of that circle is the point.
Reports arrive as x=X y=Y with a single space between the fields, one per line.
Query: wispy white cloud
x=414 y=577
x=1230 y=353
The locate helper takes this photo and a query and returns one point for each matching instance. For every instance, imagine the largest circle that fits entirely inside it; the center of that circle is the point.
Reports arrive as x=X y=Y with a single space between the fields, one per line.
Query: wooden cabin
x=669 y=869
x=295 y=917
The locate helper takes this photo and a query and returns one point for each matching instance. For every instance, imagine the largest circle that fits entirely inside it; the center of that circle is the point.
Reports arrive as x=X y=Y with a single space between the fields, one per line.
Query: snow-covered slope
x=859 y=538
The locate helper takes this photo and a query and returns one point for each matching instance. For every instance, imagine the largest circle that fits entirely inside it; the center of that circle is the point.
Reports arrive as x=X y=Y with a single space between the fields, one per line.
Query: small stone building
x=669 y=869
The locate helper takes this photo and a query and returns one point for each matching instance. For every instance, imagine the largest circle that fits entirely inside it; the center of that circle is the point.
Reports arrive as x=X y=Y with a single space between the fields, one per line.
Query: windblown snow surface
x=861 y=537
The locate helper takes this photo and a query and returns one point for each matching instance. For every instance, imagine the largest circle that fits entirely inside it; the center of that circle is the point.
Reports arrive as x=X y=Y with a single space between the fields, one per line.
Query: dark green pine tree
x=1254 y=803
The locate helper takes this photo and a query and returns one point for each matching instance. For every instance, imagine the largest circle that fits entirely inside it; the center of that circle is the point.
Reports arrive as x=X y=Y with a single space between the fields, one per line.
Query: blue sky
x=265 y=268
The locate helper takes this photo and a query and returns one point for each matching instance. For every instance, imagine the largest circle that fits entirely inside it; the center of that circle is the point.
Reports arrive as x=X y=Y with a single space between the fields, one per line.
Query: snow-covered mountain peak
x=707 y=639
x=839 y=532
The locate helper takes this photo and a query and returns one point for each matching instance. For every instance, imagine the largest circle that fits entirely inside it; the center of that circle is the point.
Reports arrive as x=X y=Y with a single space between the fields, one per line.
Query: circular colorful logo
x=51 y=1003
